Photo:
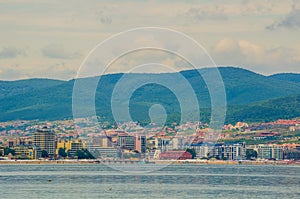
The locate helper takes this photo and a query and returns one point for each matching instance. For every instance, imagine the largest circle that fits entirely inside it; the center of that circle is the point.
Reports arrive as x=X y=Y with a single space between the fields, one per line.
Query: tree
x=62 y=152
x=45 y=154
x=192 y=151
x=80 y=154
x=84 y=154
x=251 y=154
x=88 y=154
x=8 y=151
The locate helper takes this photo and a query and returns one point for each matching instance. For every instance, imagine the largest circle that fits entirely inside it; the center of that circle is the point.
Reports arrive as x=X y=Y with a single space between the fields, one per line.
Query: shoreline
x=128 y=162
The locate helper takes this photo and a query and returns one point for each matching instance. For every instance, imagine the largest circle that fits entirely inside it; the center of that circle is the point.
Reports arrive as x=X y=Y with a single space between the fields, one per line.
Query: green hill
x=265 y=111
x=291 y=77
x=249 y=96
x=11 y=88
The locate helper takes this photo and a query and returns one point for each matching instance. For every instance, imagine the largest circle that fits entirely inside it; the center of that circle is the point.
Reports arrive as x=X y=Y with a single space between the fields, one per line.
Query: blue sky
x=52 y=38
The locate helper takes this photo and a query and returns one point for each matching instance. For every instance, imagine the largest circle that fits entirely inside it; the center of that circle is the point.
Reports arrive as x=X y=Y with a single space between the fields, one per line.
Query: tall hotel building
x=140 y=143
x=44 y=139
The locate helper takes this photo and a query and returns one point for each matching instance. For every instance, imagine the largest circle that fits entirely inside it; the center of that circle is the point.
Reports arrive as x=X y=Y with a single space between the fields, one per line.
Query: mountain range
x=250 y=96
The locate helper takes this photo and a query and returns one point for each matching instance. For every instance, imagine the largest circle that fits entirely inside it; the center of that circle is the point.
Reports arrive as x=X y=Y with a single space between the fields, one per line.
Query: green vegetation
x=292 y=77
x=62 y=152
x=251 y=154
x=265 y=111
x=84 y=154
x=9 y=151
x=44 y=154
x=192 y=151
x=250 y=97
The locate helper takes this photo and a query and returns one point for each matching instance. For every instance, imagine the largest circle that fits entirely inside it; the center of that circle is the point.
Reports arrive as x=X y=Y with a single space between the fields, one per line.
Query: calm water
x=174 y=181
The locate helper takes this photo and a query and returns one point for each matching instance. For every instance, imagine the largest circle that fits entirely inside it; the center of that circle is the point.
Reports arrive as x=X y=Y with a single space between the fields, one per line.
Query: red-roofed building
x=176 y=155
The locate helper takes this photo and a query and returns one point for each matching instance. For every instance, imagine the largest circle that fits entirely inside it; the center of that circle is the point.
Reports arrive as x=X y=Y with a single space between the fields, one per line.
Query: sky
x=51 y=39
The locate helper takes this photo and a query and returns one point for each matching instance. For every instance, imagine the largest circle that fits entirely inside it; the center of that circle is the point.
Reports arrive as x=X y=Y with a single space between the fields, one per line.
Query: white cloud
x=251 y=51
x=255 y=56
x=226 y=44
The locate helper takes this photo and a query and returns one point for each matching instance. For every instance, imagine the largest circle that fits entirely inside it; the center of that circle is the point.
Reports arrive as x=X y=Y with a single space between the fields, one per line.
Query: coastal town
x=86 y=138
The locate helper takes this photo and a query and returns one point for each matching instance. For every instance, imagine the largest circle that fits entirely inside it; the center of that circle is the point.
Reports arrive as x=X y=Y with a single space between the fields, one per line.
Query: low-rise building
x=70 y=146
x=103 y=152
x=22 y=152
x=175 y=155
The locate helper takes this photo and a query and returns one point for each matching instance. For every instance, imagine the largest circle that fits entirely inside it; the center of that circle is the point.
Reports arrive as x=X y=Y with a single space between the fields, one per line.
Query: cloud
x=54 y=51
x=251 y=51
x=83 y=25
x=226 y=45
x=245 y=53
x=10 y=52
x=292 y=20
x=198 y=14
x=239 y=51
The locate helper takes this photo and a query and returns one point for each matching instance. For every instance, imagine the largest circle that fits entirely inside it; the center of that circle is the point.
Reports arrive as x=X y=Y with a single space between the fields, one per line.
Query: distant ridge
x=246 y=91
x=11 y=88
x=291 y=77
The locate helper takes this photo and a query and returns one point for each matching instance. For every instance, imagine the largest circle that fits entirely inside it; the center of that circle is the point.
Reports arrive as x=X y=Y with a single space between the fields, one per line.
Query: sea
x=149 y=181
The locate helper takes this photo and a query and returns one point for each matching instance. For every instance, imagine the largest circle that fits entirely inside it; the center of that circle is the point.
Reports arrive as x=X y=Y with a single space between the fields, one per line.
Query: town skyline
x=128 y=141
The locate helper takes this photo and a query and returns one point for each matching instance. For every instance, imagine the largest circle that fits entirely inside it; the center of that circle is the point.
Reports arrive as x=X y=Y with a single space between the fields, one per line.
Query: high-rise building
x=140 y=143
x=44 y=139
x=234 y=151
x=270 y=151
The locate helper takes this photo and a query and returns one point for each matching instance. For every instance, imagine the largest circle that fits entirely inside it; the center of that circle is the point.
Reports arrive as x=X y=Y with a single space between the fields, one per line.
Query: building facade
x=269 y=151
x=175 y=155
x=140 y=143
x=71 y=146
x=236 y=151
x=44 y=139
x=126 y=142
x=102 y=152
